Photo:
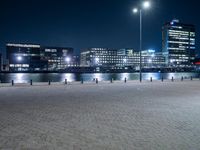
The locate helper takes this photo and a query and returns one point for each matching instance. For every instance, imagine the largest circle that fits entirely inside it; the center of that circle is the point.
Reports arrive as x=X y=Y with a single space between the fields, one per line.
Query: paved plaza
x=118 y=116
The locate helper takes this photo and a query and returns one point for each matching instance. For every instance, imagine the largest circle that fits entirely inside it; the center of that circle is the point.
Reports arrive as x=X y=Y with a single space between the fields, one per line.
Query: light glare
x=97 y=60
x=19 y=58
x=146 y=4
x=135 y=10
x=67 y=59
x=150 y=60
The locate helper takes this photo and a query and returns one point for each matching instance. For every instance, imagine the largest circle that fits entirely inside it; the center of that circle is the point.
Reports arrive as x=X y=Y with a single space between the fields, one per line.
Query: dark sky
x=90 y=23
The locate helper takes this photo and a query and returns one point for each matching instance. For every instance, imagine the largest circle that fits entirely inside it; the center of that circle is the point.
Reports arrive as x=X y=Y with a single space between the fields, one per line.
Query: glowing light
x=125 y=60
x=151 y=51
x=97 y=60
x=67 y=59
x=150 y=61
x=21 y=78
x=19 y=58
x=146 y=4
x=69 y=76
x=135 y=10
x=23 y=45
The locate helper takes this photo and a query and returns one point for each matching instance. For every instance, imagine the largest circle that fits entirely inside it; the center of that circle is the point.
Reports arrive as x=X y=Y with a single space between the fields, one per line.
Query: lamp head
x=135 y=10
x=146 y=4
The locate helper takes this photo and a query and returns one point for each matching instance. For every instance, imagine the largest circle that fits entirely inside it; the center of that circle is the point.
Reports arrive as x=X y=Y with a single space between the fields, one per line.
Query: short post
x=125 y=80
x=12 y=82
x=31 y=82
x=97 y=81
x=162 y=79
x=49 y=82
x=191 y=78
x=151 y=79
x=111 y=80
x=82 y=81
x=65 y=81
x=182 y=78
x=172 y=79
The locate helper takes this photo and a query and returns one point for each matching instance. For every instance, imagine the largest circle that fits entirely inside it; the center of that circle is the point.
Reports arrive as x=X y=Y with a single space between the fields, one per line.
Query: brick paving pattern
x=132 y=116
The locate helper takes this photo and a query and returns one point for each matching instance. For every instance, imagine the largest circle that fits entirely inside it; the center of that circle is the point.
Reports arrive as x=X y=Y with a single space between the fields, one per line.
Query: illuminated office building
x=100 y=57
x=24 y=57
x=30 y=57
x=58 y=58
x=179 y=43
x=105 y=57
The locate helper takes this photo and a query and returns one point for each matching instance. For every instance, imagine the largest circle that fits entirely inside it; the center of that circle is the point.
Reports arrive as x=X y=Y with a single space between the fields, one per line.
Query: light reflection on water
x=68 y=76
x=20 y=78
x=60 y=77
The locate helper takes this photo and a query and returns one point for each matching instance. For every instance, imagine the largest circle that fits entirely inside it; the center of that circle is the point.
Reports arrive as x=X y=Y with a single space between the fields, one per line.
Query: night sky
x=90 y=23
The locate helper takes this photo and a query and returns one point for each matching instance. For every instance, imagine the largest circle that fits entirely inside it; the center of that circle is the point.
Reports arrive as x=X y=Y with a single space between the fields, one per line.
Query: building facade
x=57 y=58
x=178 y=43
x=24 y=57
x=30 y=57
x=105 y=57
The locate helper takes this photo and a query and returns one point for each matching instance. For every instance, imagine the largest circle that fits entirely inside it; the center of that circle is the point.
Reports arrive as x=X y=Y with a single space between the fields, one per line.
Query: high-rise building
x=178 y=43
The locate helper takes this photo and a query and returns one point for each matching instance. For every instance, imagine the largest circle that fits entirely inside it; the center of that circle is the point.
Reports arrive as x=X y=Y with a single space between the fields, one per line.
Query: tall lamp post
x=144 y=5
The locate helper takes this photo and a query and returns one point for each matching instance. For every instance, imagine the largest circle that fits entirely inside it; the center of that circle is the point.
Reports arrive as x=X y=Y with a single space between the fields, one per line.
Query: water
x=60 y=77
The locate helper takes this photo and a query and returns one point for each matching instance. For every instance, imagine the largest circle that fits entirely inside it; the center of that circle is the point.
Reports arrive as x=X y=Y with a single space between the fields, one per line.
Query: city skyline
x=86 y=24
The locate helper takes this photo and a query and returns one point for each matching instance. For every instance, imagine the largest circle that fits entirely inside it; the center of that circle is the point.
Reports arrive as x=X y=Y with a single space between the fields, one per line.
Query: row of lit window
x=19 y=65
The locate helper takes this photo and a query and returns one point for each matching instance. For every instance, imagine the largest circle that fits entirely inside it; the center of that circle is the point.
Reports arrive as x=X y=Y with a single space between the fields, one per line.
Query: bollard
x=191 y=78
x=12 y=82
x=181 y=78
x=97 y=81
x=111 y=80
x=151 y=79
x=49 y=82
x=65 y=81
x=162 y=79
x=31 y=82
x=172 y=79
x=125 y=80
x=81 y=81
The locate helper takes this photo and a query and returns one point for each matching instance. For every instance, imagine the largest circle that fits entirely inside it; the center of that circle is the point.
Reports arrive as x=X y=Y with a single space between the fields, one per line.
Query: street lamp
x=145 y=5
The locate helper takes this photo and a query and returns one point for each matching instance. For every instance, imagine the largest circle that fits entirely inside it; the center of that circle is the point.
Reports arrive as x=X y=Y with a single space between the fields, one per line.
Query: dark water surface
x=60 y=77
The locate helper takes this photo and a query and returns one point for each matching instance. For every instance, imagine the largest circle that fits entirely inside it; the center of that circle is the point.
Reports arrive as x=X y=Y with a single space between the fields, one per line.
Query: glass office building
x=105 y=57
x=58 y=58
x=179 y=43
x=24 y=57
x=30 y=57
